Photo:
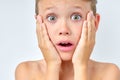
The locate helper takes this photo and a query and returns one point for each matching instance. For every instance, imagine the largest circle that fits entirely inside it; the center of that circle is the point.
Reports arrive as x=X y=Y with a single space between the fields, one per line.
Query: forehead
x=52 y=4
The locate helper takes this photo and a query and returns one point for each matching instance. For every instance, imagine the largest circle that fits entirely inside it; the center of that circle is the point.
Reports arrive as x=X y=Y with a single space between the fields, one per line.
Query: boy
x=66 y=31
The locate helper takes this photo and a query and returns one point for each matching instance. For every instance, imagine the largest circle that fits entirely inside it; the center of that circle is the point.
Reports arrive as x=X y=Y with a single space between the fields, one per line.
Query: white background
x=18 y=41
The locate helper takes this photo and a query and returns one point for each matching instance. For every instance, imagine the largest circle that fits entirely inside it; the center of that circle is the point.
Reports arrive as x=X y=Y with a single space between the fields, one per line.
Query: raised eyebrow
x=53 y=7
x=50 y=8
x=77 y=7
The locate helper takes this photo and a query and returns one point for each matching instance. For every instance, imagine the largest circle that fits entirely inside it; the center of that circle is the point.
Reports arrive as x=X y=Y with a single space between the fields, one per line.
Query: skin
x=74 y=64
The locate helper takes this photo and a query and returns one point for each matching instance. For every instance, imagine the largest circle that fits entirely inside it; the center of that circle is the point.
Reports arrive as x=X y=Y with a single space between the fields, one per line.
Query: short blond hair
x=93 y=6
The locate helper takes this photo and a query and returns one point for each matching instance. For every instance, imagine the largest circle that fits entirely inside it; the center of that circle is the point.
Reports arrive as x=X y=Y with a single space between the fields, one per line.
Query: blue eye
x=76 y=17
x=51 y=18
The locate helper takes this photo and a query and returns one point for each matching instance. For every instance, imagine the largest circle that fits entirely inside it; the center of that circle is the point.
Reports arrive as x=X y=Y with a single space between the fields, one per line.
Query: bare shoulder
x=29 y=70
x=108 y=71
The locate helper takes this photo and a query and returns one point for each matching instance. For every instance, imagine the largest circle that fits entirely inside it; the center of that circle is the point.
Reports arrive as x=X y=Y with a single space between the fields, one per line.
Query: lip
x=65 y=48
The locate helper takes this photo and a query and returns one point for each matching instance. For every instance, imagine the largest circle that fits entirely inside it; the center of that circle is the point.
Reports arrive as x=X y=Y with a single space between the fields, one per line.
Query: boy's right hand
x=49 y=52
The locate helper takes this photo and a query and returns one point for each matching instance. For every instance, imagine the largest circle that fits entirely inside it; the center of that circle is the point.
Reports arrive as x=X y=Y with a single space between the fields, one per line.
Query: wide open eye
x=76 y=17
x=51 y=18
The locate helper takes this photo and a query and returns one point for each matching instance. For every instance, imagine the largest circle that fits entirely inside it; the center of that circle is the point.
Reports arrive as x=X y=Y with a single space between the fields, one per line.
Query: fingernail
x=91 y=13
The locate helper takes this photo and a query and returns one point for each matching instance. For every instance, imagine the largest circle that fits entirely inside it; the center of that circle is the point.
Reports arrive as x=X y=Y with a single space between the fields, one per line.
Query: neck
x=66 y=68
x=67 y=65
x=66 y=71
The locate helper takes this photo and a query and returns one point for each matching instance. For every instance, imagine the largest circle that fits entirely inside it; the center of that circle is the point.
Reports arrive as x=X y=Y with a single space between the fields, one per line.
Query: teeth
x=64 y=43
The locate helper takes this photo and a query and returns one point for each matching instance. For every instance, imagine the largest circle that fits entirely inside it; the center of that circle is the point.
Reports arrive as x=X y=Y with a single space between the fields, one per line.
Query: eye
x=51 y=18
x=76 y=17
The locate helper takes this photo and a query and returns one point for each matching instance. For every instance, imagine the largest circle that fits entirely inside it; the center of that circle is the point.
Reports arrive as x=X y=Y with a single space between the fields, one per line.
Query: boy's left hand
x=86 y=42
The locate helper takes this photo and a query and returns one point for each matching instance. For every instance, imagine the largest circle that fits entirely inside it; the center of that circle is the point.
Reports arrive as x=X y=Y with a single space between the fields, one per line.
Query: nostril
x=60 y=33
x=64 y=33
x=67 y=33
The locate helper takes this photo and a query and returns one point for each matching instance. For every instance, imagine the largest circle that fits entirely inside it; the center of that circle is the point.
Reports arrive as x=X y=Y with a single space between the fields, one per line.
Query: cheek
x=78 y=31
x=50 y=31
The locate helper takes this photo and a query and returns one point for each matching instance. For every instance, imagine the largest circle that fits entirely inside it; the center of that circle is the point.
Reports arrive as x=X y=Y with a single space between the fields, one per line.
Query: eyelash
x=76 y=15
x=51 y=16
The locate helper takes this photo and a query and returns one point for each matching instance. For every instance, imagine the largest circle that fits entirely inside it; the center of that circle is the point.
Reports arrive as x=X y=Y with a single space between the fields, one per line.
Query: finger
x=39 y=30
x=89 y=19
x=91 y=26
x=42 y=28
x=45 y=32
x=84 y=34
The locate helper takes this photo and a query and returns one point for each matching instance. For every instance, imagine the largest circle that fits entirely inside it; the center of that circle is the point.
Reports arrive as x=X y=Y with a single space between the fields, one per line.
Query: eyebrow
x=77 y=7
x=49 y=8
x=73 y=7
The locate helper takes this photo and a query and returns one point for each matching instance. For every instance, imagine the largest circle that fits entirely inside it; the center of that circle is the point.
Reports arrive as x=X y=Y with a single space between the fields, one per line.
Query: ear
x=97 y=20
x=35 y=16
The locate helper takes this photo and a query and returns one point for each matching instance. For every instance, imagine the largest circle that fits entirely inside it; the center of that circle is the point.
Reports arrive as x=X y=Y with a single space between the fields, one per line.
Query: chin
x=66 y=56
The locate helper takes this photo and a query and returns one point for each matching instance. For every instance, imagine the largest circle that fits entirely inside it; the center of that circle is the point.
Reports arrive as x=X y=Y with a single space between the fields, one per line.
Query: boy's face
x=64 y=20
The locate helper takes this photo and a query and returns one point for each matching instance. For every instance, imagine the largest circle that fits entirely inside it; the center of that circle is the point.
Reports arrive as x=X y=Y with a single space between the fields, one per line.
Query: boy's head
x=64 y=21
x=92 y=4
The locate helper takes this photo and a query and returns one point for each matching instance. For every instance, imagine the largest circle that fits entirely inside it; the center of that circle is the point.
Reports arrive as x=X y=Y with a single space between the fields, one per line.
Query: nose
x=64 y=28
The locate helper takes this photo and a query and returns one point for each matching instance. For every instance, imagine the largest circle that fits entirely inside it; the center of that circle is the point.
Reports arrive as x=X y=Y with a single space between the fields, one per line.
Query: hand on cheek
x=45 y=44
x=87 y=41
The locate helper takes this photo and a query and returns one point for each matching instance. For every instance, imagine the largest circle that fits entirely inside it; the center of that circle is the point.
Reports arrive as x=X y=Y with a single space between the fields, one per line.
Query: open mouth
x=65 y=44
